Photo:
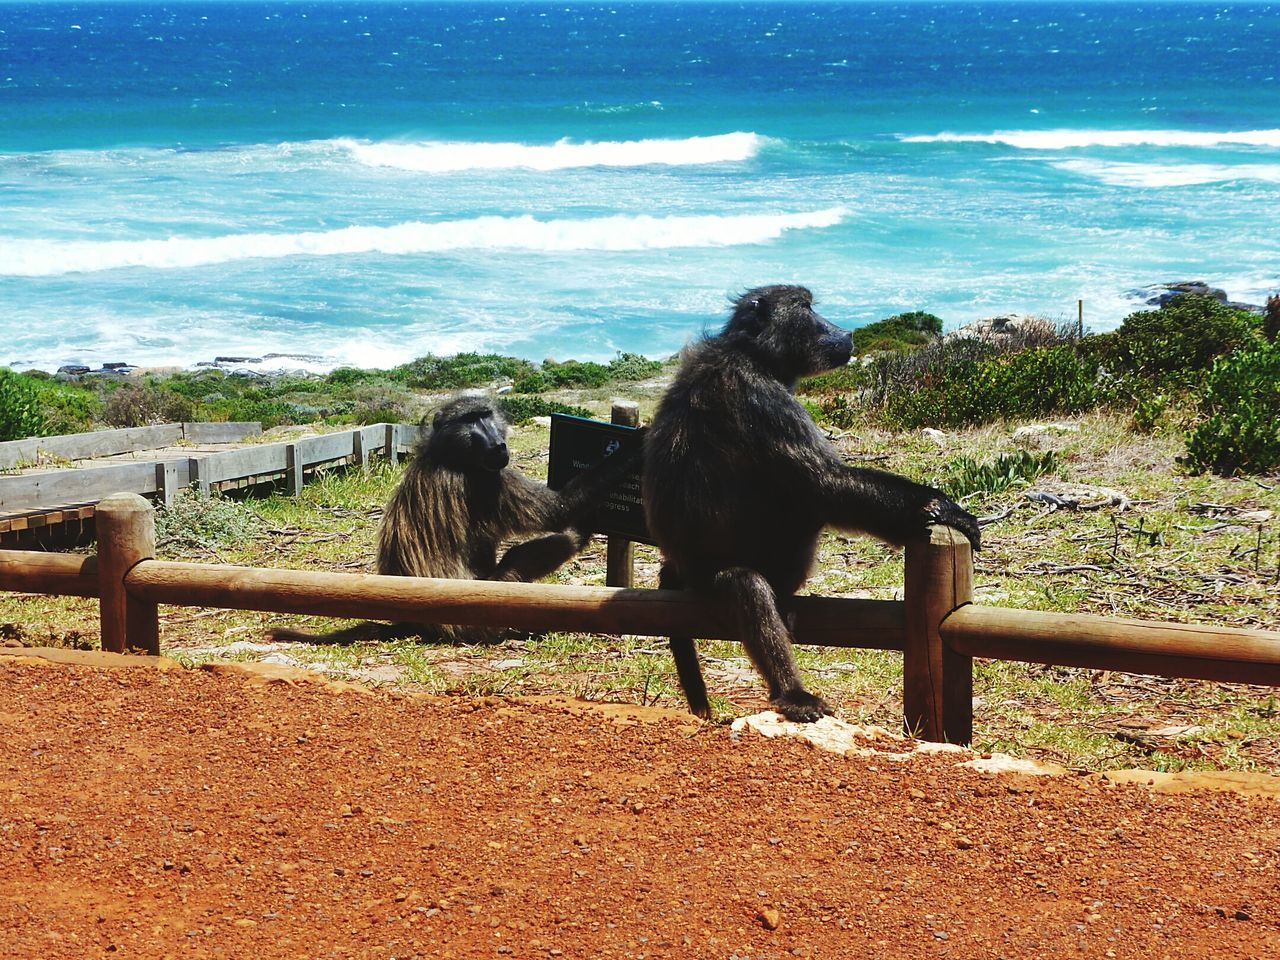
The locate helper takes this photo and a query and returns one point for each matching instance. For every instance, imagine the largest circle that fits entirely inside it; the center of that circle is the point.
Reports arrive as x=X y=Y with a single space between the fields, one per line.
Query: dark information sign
x=577 y=444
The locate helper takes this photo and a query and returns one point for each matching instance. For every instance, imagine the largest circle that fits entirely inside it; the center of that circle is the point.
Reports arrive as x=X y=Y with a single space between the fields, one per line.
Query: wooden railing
x=936 y=626
x=291 y=460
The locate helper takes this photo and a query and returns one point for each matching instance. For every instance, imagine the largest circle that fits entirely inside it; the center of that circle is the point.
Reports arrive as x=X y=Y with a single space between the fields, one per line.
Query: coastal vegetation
x=1111 y=479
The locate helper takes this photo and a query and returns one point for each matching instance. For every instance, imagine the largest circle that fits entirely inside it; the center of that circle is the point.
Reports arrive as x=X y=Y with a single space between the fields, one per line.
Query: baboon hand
x=949 y=514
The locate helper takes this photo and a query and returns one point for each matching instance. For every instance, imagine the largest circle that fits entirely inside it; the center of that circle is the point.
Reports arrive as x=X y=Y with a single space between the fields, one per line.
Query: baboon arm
x=529 y=507
x=889 y=506
x=535 y=559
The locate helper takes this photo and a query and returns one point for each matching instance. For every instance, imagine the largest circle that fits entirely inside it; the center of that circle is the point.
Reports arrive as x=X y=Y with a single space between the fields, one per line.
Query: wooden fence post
x=167 y=482
x=126 y=526
x=393 y=453
x=293 y=469
x=937 y=695
x=358 y=452
x=620 y=552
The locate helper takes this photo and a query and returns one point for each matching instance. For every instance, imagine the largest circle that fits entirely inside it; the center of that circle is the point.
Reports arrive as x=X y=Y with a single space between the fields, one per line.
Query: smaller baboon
x=739 y=483
x=458 y=501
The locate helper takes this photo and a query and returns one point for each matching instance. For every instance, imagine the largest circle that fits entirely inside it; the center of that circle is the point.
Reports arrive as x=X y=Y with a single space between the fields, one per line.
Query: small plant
x=839 y=410
x=575 y=373
x=522 y=409
x=900 y=332
x=206 y=522
x=20 y=415
x=850 y=378
x=1241 y=403
x=966 y=476
x=534 y=382
x=1148 y=410
x=140 y=404
x=630 y=367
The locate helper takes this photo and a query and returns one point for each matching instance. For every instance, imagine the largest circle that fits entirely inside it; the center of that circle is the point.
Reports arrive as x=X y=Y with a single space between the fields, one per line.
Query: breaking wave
x=40 y=258
x=453 y=157
x=1066 y=139
x=1155 y=175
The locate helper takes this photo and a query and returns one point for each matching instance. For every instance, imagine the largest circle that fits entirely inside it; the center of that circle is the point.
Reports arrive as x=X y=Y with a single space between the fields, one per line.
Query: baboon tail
x=685 y=654
x=365 y=630
x=695 y=689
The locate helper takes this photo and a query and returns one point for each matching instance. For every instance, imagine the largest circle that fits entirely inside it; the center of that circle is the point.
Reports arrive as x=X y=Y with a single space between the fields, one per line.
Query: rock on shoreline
x=267 y=365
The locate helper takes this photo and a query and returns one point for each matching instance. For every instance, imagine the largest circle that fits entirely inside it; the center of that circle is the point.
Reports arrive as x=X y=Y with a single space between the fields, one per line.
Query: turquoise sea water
x=369 y=182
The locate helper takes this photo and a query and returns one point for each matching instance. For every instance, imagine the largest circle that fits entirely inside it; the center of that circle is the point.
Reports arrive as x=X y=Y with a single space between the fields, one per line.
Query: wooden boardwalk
x=51 y=484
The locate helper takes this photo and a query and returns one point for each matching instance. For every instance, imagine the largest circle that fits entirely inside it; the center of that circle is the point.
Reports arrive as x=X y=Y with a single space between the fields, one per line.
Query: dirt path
x=202 y=814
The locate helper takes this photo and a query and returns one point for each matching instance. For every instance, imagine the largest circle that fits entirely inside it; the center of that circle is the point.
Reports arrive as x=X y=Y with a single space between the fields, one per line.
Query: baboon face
x=787 y=331
x=469 y=433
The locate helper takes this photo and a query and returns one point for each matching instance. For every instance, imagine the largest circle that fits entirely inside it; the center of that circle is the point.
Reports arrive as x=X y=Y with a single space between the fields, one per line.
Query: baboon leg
x=768 y=643
x=537 y=558
x=685 y=655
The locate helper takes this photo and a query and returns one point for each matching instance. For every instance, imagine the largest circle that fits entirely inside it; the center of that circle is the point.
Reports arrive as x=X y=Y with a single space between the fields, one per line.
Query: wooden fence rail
x=203 y=471
x=110 y=443
x=935 y=625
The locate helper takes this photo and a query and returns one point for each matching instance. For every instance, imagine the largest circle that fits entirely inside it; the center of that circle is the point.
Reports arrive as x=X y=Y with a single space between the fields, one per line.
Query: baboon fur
x=455 y=505
x=739 y=483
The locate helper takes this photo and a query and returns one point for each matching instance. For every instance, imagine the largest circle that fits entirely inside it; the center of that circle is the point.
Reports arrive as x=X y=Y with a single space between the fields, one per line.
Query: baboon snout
x=497 y=456
x=833 y=349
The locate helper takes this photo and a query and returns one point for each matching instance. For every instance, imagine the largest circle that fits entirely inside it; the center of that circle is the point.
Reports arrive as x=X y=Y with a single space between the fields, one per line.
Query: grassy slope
x=1187 y=549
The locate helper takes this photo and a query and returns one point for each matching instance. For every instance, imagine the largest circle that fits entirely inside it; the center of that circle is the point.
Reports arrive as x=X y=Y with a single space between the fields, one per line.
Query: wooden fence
x=936 y=626
x=206 y=471
x=110 y=443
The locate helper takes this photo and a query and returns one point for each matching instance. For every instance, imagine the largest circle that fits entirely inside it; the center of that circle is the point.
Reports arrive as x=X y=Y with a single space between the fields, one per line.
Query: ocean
x=366 y=182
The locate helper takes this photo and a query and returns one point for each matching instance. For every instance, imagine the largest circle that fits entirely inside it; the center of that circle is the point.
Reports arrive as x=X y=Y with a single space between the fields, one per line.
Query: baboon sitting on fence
x=739 y=482
x=456 y=504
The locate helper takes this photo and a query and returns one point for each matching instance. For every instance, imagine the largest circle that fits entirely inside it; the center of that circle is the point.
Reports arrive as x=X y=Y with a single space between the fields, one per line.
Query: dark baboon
x=739 y=482
x=456 y=504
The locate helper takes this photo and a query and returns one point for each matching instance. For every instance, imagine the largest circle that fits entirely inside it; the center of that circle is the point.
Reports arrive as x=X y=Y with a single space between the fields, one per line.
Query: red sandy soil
x=173 y=813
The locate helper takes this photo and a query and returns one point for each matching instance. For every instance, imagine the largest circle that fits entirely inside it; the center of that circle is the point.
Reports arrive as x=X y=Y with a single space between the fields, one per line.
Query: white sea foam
x=1155 y=175
x=455 y=156
x=1067 y=139
x=42 y=258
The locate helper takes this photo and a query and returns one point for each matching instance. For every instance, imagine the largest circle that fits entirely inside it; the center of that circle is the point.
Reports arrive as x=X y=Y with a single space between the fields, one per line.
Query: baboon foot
x=801 y=706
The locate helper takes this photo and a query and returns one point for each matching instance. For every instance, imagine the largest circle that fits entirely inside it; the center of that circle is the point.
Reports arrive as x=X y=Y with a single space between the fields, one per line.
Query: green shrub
x=67 y=407
x=1241 y=405
x=463 y=370
x=522 y=409
x=839 y=410
x=901 y=331
x=383 y=403
x=20 y=415
x=535 y=382
x=575 y=373
x=966 y=476
x=850 y=378
x=140 y=404
x=1177 y=344
x=970 y=382
x=347 y=376
x=629 y=367
x=206 y=521
x=1148 y=410
x=270 y=413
